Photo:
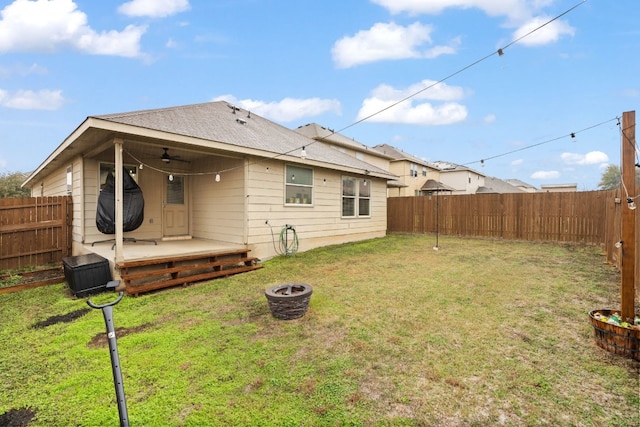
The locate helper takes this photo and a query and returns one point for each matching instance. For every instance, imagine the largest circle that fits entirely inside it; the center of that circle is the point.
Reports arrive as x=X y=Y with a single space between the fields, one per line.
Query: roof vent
x=241 y=121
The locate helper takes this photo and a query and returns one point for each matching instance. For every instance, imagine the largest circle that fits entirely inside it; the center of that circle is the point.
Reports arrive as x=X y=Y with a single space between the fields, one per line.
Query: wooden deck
x=148 y=266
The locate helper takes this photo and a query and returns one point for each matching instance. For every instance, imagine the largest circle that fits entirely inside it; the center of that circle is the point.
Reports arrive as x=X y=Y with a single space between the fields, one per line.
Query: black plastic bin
x=86 y=274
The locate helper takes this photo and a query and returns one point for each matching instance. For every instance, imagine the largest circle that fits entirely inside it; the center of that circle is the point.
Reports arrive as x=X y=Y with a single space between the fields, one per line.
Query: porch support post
x=245 y=229
x=117 y=142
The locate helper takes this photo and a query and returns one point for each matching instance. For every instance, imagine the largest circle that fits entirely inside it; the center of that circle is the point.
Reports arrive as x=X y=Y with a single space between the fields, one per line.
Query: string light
x=630 y=203
x=499 y=52
x=170 y=177
x=303 y=153
x=217 y=176
x=618 y=245
x=571 y=135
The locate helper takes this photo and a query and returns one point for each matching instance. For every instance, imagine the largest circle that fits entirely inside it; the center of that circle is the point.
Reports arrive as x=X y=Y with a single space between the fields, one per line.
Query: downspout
x=118 y=202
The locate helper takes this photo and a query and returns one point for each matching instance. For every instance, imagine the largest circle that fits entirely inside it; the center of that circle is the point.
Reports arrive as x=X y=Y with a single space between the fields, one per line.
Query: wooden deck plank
x=147 y=287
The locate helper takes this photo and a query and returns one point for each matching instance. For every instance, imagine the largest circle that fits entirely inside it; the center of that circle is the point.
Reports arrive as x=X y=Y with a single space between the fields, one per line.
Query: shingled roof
x=225 y=123
x=213 y=125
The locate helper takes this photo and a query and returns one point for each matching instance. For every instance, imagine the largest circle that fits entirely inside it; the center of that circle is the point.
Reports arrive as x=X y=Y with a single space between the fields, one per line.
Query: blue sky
x=336 y=63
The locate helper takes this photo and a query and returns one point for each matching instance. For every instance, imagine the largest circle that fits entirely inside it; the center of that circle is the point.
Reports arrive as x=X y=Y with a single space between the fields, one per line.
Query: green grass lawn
x=481 y=332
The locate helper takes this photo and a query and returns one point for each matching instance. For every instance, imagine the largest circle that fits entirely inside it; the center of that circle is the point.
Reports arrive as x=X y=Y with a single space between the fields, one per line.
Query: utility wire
x=499 y=52
x=571 y=135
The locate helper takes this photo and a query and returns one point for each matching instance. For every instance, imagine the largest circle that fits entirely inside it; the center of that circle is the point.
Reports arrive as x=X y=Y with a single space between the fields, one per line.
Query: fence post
x=628 y=216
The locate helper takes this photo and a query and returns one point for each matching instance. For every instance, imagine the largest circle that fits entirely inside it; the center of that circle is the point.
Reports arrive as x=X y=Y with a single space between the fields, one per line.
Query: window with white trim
x=299 y=185
x=356 y=197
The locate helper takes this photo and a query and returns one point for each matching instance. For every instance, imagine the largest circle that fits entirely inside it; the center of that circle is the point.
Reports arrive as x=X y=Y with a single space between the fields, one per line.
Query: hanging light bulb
x=630 y=203
x=141 y=166
x=618 y=245
x=303 y=153
x=573 y=137
x=217 y=176
x=365 y=183
x=293 y=177
x=170 y=177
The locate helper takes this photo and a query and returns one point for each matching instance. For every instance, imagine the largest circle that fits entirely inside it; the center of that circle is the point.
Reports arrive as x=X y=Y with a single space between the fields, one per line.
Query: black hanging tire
x=289 y=301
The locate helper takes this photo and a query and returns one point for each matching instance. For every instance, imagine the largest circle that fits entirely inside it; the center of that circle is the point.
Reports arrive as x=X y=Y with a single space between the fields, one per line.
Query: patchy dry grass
x=481 y=332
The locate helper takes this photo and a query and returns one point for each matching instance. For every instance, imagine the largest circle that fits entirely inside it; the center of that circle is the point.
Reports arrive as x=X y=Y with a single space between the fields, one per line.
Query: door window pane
x=175 y=191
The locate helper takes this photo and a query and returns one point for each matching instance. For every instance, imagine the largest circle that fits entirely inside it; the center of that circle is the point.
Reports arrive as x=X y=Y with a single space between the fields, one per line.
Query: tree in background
x=611 y=178
x=10 y=185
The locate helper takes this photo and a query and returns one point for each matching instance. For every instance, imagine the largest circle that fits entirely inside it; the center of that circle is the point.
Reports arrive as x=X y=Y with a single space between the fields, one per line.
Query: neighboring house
x=345 y=145
x=559 y=188
x=522 y=185
x=462 y=179
x=213 y=172
x=412 y=172
x=497 y=186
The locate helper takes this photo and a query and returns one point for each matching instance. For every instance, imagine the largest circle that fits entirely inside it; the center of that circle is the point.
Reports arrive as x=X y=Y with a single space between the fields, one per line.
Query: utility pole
x=628 y=232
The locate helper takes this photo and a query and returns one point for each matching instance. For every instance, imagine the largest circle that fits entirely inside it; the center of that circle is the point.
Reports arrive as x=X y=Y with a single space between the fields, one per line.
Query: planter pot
x=289 y=301
x=613 y=338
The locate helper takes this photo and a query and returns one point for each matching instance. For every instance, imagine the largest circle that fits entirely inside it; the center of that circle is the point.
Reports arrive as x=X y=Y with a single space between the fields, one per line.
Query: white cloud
x=524 y=15
x=591 y=158
x=380 y=106
x=490 y=118
x=22 y=70
x=511 y=8
x=517 y=162
x=154 y=8
x=545 y=35
x=30 y=100
x=287 y=109
x=387 y=41
x=49 y=25
x=545 y=175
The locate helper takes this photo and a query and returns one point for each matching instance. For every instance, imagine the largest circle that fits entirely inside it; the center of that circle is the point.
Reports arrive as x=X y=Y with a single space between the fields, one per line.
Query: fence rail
x=34 y=231
x=582 y=217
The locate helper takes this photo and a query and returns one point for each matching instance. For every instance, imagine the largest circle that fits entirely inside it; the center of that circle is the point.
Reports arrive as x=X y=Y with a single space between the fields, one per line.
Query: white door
x=176 y=207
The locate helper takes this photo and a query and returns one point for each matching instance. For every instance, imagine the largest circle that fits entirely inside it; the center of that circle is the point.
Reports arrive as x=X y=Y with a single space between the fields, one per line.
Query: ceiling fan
x=167 y=158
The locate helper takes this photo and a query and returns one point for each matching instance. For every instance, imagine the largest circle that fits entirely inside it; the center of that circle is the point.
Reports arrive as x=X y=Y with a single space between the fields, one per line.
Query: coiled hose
x=288 y=240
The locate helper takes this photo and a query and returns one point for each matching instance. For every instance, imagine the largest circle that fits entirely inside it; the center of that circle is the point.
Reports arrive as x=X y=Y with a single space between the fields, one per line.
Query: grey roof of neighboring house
x=317 y=132
x=433 y=185
x=518 y=183
x=453 y=167
x=218 y=125
x=398 y=154
x=496 y=185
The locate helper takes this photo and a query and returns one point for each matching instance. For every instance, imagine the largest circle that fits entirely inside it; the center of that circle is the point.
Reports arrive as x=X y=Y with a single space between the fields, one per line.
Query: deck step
x=152 y=274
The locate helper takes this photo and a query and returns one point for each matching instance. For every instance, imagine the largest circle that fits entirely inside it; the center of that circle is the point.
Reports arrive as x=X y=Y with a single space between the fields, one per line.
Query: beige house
x=462 y=179
x=213 y=174
x=527 y=188
x=413 y=172
x=559 y=188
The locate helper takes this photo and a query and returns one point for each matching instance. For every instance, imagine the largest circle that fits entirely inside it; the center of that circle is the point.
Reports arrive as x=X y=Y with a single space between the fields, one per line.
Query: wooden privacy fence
x=586 y=217
x=34 y=231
